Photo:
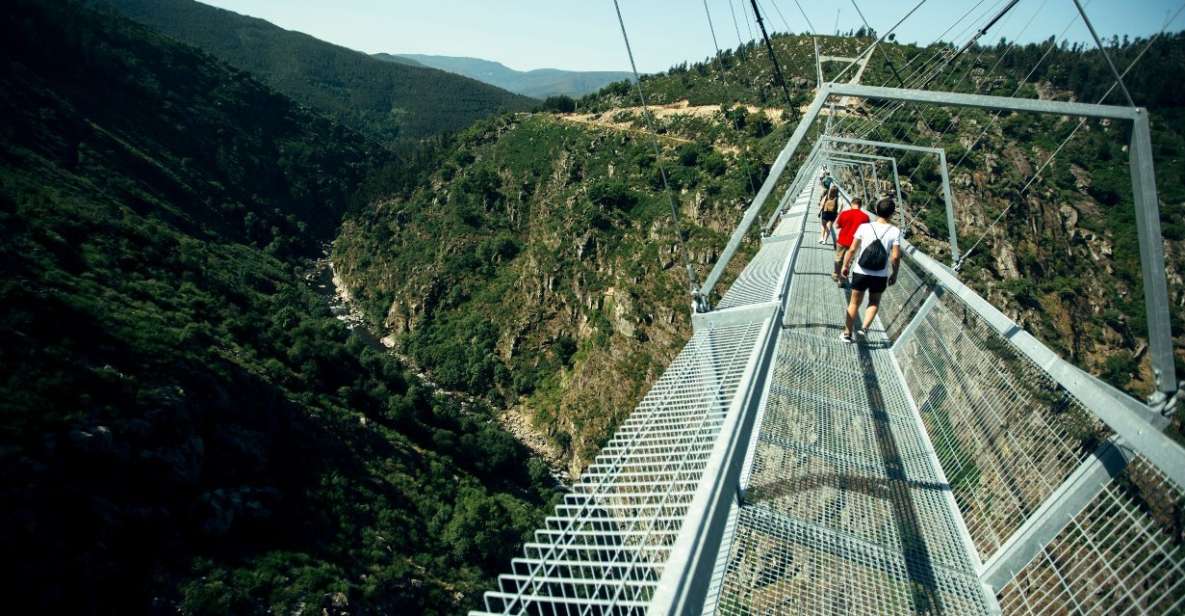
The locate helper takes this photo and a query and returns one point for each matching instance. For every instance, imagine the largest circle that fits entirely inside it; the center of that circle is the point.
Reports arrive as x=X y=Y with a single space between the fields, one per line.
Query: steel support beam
x=1055 y=512
x=1156 y=295
x=982 y=101
x=950 y=208
x=897 y=184
x=883 y=144
x=863 y=183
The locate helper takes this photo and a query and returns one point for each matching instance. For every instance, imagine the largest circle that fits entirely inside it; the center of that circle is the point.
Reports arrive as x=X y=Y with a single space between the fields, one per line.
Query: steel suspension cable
x=646 y=116
x=773 y=58
x=956 y=116
x=889 y=110
x=881 y=39
x=1106 y=56
x=748 y=20
x=724 y=79
x=737 y=27
x=716 y=45
x=917 y=73
x=806 y=19
x=1050 y=46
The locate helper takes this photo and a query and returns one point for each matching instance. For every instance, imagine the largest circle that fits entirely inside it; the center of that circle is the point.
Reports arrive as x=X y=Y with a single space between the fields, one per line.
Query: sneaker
x=846 y=337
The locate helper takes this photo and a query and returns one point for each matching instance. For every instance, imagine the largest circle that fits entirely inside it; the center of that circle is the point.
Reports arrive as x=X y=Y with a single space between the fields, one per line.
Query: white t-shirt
x=868 y=233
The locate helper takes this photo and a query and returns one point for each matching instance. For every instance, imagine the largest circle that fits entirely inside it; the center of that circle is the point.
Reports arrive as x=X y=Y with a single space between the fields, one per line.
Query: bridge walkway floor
x=845 y=510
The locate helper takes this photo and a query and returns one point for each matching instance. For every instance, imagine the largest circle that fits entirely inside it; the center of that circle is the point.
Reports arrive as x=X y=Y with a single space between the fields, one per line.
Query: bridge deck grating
x=845 y=510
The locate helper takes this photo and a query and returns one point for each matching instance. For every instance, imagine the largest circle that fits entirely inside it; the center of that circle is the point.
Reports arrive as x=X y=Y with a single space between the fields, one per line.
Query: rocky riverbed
x=326 y=281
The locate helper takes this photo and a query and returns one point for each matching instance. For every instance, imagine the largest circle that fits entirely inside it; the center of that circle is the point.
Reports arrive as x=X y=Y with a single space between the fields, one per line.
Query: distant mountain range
x=392 y=103
x=539 y=83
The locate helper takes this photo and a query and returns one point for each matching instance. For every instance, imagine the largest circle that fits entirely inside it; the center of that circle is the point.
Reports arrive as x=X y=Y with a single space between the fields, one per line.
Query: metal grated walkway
x=846 y=509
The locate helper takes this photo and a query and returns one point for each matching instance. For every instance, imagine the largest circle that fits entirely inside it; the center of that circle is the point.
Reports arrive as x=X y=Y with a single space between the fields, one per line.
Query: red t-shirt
x=848 y=222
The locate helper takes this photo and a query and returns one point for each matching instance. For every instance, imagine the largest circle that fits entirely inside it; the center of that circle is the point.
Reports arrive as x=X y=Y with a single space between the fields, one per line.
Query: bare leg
x=874 y=301
x=853 y=310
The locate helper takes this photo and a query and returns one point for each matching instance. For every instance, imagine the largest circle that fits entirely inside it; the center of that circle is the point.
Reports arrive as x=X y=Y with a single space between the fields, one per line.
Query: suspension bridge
x=949 y=463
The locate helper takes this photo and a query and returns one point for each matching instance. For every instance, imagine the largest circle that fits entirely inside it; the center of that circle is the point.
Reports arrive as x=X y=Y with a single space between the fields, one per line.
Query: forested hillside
x=393 y=103
x=538 y=268
x=186 y=428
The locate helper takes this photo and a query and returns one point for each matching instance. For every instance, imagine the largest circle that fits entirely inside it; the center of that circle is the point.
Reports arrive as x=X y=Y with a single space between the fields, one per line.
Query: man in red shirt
x=847 y=223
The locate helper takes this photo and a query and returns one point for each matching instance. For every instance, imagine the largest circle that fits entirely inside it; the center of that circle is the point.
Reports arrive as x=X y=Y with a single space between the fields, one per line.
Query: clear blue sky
x=584 y=35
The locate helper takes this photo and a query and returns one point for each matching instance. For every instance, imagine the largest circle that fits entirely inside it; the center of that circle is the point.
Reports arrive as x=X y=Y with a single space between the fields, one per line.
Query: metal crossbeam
x=1058 y=509
x=983 y=101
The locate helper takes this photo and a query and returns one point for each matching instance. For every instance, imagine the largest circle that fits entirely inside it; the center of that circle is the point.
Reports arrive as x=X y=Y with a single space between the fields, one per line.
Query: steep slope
x=186 y=428
x=538 y=268
x=391 y=102
x=538 y=83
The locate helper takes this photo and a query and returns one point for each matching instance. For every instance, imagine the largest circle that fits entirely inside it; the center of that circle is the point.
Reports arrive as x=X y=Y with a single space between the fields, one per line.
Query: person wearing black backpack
x=872 y=260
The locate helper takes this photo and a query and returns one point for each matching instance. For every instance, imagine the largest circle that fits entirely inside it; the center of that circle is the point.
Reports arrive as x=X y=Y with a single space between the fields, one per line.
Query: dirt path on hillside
x=605 y=119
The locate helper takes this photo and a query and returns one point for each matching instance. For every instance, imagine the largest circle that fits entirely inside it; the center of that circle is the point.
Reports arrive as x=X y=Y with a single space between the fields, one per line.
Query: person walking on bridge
x=849 y=220
x=828 y=211
x=873 y=258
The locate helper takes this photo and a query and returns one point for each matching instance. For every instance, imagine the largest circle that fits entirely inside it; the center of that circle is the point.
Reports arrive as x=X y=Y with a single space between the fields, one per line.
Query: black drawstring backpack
x=874 y=256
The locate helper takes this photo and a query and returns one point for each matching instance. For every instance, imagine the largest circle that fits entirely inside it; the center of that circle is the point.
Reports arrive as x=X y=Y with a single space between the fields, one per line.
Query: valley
x=291 y=328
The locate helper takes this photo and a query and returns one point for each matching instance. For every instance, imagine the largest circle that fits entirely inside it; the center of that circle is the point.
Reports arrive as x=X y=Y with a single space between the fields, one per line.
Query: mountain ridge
x=394 y=103
x=536 y=83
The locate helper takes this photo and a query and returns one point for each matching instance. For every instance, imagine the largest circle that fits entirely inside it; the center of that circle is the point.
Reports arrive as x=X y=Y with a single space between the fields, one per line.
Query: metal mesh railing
x=1122 y=554
x=900 y=302
x=1006 y=435
x=761 y=279
x=604 y=549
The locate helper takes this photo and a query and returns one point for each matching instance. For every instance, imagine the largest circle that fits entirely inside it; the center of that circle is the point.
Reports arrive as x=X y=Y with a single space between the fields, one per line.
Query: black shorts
x=872 y=284
x=829 y=216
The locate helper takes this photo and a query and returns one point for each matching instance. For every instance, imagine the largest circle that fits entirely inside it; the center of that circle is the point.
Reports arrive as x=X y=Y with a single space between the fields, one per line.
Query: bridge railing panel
x=1005 y=433
x=605 y=548
x=1121 y=554
x=1060 y=527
